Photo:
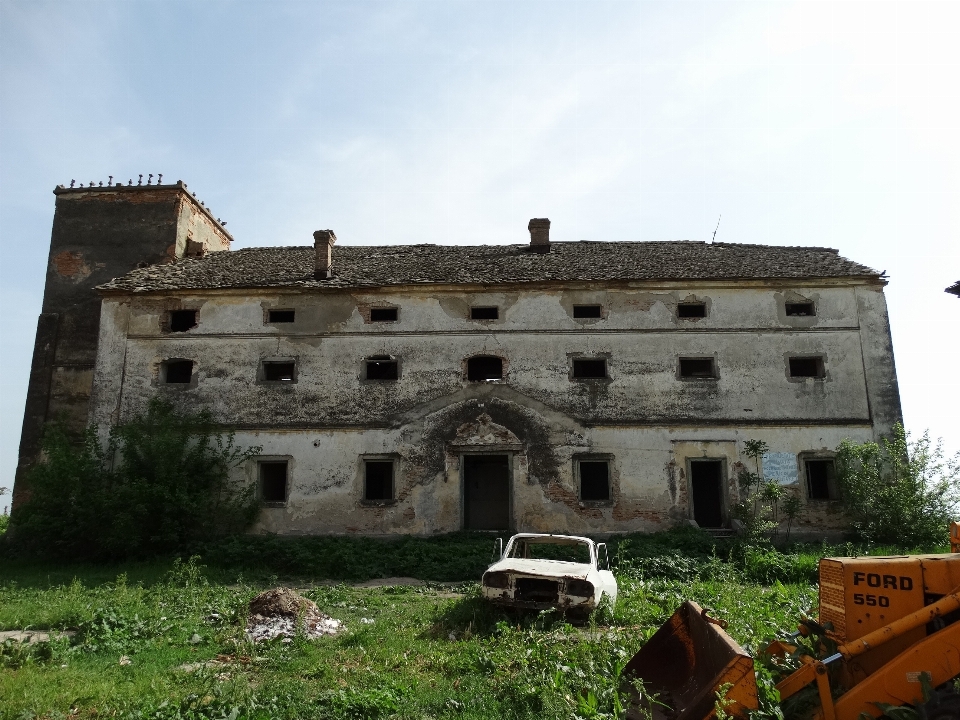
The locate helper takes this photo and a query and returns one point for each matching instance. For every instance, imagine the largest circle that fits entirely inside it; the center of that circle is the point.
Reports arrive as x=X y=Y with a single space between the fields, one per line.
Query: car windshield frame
x=551 y=540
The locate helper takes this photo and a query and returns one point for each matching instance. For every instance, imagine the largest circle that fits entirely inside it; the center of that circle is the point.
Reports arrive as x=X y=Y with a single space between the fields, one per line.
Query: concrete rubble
x=34 y=636
x=280 y=612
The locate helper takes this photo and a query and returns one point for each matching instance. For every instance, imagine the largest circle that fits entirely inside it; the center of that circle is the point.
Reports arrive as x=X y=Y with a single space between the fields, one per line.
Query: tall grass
x=408 y=652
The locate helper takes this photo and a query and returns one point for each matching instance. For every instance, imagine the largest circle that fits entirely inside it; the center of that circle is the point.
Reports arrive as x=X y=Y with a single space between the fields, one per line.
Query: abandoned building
x=575 y=387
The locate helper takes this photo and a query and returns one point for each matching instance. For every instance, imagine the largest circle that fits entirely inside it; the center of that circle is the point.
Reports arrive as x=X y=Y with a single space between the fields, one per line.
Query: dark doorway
x=706 y=483
x=486 y=492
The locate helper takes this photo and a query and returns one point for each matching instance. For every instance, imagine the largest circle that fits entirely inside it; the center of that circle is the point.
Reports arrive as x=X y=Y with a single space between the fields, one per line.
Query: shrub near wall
x=899 y=491
x=159 y=487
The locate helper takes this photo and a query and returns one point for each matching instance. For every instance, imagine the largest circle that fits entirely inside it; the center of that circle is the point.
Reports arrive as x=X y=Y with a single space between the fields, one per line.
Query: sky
x=456 y=121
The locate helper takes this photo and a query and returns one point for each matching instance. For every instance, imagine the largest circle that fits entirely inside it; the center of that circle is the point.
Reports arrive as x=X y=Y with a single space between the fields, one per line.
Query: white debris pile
x=276 y=613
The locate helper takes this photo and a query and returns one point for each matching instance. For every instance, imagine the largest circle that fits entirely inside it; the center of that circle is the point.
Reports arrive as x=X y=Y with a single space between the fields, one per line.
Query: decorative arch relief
x=485 y=435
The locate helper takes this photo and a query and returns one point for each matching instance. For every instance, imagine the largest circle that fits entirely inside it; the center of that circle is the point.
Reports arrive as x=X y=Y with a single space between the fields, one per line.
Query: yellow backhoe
x=888 y=633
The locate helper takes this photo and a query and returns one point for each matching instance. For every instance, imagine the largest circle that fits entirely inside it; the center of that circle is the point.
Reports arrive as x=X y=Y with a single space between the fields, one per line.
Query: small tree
x=899 y=491
x=160 y=485
x=791 y=507
x=758 y=508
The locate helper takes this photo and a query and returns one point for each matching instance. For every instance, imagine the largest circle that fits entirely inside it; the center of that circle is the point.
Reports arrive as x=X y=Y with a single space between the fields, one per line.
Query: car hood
x=543 y=568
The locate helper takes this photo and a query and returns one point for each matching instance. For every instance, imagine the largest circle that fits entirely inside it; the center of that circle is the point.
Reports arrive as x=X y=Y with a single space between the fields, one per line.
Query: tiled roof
x=377 y=266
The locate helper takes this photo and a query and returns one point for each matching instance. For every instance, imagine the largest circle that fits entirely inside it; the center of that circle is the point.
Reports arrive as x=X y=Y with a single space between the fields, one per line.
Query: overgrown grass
x=435 y=651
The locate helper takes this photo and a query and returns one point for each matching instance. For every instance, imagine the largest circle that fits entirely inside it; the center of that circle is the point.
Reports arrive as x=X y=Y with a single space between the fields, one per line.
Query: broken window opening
x=182 y=320
x=587 y=311
x=383 y=314
x=550 y=549
x=279 y=371
x=698 y=367
x=821 y=479
x=691 y=310
x=484 y=313
x=594 y=480
x=800 y=309
x=281 y=316
x=806 y=367
x=378 y=480
x=592 y=369
x=382 y=368
x=177 y=371
x=273 y=482
x=484 y=368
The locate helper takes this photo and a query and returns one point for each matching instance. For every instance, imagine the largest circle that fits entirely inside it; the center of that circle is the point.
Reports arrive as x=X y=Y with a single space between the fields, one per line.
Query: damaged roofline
x=476 y=287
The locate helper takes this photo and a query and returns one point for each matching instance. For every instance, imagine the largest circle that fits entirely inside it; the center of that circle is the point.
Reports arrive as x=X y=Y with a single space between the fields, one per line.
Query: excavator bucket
x=683 y=667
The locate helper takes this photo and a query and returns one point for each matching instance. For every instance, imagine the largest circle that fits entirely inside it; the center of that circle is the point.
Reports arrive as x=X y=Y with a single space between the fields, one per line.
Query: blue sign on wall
x=780 y=466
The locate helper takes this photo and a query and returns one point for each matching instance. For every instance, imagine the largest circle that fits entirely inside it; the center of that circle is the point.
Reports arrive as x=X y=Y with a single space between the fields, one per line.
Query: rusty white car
x=540 y=571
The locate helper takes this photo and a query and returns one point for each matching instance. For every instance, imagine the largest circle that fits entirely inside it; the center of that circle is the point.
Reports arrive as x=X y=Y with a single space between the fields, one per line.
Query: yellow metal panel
x=941 y=573
x=876 y=591
x=832 y=598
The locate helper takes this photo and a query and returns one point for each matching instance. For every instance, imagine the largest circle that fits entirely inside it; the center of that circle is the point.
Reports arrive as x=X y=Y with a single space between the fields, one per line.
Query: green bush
x=898 y=491
x=766 y=565
x=159 y=486
x=455 y=556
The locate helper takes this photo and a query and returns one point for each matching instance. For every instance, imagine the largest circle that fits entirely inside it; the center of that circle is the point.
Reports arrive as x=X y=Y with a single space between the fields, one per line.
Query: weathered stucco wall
x=650 y=488
x=537 y=339
x=643 y=418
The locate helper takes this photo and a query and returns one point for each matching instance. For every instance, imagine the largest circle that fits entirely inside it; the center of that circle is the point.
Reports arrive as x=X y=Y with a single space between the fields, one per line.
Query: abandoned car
x=540 y=571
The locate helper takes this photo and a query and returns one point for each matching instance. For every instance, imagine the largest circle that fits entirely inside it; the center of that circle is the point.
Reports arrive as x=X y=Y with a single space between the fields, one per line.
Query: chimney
x=539 y=235
x=323 y=241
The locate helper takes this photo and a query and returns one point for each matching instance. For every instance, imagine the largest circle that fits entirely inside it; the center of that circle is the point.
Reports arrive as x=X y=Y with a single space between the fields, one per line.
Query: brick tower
x=99 y=233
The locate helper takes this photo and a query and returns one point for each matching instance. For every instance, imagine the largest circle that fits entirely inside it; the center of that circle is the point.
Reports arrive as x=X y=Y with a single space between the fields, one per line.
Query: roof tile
x=377 y=266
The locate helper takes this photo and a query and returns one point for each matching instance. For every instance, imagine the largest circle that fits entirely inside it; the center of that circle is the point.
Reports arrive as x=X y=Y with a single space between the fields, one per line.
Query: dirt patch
x=283 y=612
x=391 y=582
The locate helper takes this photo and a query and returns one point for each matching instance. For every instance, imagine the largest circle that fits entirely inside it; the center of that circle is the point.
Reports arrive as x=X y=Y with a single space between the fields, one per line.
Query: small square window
x=587 y=311
x=594 y=480
x=281 y=316
x=698 y=367
x=589 y=369
x=692 y=310
x=806 y=367
x=821 y=479
x=182 y=320
x=800 y=309
x=378 y=480
x=273 y=482
x=383 y=314
x=279 y=371
x=382 y=368
x=484 y=313
x=176 y=372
